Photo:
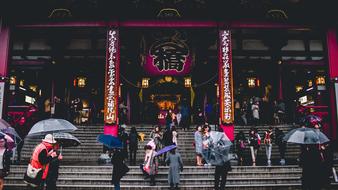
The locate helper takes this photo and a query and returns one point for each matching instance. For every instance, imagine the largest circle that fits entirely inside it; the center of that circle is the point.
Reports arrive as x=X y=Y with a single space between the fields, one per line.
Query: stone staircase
x=89 y=151
x=79 y=169
x=241 y=177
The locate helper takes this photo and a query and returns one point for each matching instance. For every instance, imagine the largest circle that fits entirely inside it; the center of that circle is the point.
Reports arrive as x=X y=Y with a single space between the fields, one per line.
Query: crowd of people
x=45 y=158
x=257 y=111
x=254 y=141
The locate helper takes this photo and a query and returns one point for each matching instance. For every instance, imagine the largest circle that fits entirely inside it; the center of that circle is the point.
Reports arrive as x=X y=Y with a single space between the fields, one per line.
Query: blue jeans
x=117 y=186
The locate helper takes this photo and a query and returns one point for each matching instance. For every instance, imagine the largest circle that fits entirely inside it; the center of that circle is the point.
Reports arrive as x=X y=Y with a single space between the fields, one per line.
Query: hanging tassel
x=192 y=95
x=140 y=95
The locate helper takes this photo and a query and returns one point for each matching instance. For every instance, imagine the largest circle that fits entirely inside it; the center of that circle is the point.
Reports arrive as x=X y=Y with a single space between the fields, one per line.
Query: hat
x=49 y=139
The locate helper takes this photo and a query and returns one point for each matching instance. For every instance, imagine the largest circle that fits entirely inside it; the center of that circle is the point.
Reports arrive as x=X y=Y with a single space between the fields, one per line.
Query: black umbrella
x=66 y=139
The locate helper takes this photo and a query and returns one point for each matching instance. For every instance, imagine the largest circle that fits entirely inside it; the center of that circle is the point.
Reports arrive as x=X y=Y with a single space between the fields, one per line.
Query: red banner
x=111 y=81
x=226 y=78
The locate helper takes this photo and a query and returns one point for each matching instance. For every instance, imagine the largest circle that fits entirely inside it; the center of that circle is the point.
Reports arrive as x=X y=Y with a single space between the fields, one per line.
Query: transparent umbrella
x=51 y=126
x=217 y=148
x=306 y=136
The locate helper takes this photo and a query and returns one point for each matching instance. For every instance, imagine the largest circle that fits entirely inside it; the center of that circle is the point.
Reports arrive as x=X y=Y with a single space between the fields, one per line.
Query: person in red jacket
x=42 y=156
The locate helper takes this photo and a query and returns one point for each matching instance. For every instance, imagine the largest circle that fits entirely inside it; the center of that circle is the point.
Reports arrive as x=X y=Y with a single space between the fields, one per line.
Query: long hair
x=5 y=145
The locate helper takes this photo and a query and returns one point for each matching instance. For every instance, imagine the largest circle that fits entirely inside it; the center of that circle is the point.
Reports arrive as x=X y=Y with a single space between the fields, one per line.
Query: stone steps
x=98 y=177
x=90 y=150
x=161 y=187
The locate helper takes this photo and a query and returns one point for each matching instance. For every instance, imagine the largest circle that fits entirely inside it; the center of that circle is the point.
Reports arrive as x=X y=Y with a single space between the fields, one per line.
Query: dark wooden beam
x=65 y=53
x=96 y=52
x=283 y=53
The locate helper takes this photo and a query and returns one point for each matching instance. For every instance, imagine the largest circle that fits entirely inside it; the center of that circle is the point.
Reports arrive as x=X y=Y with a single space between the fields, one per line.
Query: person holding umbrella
x=117 y=158
x=150 y=165
x=311 y=157
x=53 y=172
x=175 y=163
x=42 y=156
x=216 y=152
x=5 y=160
x=119 y=167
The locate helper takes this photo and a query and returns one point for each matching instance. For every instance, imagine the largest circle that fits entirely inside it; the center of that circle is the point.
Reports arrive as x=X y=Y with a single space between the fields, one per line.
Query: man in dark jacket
x=53 y=172
x=119 y=168
x=221 y=171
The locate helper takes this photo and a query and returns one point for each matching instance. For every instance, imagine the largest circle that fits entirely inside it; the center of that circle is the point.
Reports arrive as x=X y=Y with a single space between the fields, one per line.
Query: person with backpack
x=268 y=137
x=254 y=143
x=240 y=142
x=133 y=139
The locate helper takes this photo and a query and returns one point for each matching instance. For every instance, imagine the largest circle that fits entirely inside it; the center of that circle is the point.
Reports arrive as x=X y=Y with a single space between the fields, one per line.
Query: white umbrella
x=305 y=136
x=51 y=126
x=218 y=148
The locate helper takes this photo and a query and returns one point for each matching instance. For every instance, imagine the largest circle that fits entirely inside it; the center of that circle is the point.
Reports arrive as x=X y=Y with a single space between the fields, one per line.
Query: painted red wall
x=332 y=48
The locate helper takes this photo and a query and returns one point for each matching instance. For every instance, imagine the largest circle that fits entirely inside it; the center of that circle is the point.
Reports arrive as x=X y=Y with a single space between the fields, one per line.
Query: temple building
x=134 y=62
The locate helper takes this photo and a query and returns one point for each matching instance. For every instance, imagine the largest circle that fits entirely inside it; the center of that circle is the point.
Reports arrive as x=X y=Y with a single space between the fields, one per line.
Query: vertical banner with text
x=2 y=93
x=226 y=83
x=111 y=83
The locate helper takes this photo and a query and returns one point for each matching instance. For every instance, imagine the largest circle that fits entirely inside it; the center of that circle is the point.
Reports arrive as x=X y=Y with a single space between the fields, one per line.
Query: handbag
x=33 y=176
x=32 y=172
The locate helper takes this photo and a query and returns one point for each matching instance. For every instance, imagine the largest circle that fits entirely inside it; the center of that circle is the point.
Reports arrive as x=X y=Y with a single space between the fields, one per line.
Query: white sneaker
x=269 y=162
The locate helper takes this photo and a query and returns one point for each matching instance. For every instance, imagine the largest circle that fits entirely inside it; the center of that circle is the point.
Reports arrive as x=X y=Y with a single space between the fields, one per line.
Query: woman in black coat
x=119 y=168
x=133 y=145
x=5 y=155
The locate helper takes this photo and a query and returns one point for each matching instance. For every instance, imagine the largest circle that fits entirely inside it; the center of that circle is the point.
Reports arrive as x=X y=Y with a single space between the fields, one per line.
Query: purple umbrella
x=165 y=149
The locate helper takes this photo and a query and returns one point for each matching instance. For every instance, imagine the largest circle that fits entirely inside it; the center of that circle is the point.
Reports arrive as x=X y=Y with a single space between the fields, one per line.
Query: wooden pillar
x=225 y=78
x=4 y=51
x=112 y=83
x=332 y=48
